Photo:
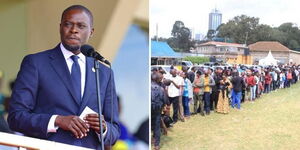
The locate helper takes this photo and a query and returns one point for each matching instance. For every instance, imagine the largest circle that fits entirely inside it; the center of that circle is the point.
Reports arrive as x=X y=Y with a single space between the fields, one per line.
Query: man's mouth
x=73 y=39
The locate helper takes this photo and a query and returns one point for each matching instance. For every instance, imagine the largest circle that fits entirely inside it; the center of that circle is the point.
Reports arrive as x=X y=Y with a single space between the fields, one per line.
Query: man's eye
x=67 y=24
x=81 y=26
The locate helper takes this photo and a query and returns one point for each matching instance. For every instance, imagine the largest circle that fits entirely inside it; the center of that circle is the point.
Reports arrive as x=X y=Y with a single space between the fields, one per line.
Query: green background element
x=196 y=59
x=13 y=39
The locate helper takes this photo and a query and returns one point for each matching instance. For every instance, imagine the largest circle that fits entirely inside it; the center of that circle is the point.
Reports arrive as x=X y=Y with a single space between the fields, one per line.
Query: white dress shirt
x=173 y=91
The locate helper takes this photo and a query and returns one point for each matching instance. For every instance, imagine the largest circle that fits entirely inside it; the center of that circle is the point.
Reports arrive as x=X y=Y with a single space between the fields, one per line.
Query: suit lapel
x=60 y=66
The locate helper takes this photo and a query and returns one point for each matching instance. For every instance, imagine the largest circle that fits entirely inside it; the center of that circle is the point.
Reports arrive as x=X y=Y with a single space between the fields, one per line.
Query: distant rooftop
x=222 y=44
x=162 y=49
x=268 y=46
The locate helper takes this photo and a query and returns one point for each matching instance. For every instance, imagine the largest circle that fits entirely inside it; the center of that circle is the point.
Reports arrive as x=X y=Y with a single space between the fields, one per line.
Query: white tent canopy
x=269 y=60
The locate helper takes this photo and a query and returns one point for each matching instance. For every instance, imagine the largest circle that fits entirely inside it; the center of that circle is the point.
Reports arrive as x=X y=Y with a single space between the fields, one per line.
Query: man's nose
x=74 y=29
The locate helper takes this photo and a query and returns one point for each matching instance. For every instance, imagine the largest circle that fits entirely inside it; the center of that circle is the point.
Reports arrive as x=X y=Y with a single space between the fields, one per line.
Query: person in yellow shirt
x=207 y=82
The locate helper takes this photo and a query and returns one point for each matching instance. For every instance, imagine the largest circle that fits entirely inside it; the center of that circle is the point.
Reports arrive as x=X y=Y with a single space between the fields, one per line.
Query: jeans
x=289 y=82
x=207 y=102
x=253 y=92
x=186 y=107
x=267 y=88
x=236 y=99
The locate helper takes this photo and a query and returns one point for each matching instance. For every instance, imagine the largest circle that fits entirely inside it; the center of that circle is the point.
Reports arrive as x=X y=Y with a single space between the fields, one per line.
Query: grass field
x=270 y=123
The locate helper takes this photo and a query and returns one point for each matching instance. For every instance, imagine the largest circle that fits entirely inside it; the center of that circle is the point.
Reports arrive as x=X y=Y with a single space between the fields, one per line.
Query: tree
x=210 y=34
x=241 y=29
x=263 y=33
x=181 y=37
x=247 y=30
x=277 y=35
x=292 y=33
x=176 y=28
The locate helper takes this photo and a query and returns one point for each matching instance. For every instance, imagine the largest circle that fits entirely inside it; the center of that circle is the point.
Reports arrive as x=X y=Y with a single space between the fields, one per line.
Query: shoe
x=202 y=114
x=156 y=147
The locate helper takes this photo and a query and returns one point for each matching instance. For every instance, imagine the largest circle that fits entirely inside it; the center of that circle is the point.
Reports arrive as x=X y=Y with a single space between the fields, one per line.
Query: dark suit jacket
x=44 y=88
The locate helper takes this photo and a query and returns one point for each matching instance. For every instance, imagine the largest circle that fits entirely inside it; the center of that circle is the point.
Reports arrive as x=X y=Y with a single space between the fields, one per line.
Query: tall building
x=199 y=36
x=215 y=19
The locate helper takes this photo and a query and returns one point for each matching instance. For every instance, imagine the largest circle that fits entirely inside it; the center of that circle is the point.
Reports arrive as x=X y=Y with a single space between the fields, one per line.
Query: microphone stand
x=97 y=66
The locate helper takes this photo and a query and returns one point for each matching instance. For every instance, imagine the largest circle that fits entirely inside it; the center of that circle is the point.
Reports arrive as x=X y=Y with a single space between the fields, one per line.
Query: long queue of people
x=207 y=89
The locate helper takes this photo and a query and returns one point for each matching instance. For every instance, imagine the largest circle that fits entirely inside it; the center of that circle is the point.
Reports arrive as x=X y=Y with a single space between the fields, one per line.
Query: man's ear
x=92 y=31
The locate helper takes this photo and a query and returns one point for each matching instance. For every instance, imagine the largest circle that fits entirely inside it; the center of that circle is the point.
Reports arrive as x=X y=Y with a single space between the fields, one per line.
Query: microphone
x=89 y=51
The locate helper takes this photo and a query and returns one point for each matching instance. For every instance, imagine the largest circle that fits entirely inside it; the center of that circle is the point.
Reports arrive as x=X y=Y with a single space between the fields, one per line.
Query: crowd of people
x=206 y=89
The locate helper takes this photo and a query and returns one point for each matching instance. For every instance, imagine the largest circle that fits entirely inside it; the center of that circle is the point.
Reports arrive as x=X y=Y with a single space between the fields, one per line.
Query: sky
x=194 y=13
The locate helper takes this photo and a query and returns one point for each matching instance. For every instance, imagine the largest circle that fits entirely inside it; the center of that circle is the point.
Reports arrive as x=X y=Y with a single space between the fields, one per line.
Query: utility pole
x=156 y=32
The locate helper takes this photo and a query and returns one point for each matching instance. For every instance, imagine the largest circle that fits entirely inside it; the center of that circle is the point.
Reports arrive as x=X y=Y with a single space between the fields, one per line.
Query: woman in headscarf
x=223 y=103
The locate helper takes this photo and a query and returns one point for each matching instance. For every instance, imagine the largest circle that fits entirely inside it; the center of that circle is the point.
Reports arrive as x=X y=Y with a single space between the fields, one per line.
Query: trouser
x=175 y=102
x=277 y=84
x=236 y=99
x=248 y=94
x=186 y=107
x=207 y=102
x=289 y=82
x=253 y=92
x=180 y=108
x=267 y=88
x=198 y=103
x=155 y=126
x=274 y=87
x=214 y=97
x=243 y=95
x=281 y=84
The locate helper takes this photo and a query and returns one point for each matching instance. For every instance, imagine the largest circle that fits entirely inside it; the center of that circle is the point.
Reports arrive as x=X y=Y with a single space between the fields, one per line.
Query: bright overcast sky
x=194 y=13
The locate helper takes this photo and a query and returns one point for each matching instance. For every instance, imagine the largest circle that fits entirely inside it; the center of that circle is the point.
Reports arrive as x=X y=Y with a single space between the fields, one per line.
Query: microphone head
x=87 y=50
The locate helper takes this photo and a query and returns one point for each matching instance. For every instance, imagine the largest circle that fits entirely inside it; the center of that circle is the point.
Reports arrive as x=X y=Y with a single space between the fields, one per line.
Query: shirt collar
x=67 y=54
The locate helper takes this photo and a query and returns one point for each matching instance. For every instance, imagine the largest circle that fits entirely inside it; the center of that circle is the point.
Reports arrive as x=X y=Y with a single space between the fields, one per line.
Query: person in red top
x=268 y=80
x=251 y=82
x=289 y=78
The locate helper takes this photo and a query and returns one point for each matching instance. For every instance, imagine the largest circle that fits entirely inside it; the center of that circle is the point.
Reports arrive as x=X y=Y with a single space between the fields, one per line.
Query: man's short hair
x=80 y=7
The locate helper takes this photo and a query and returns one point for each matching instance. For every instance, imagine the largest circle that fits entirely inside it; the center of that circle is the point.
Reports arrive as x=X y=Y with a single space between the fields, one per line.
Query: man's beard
x=71 y=48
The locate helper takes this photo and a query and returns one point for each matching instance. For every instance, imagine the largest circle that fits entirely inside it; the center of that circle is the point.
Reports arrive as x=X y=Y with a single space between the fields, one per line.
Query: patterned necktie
x=76 y=77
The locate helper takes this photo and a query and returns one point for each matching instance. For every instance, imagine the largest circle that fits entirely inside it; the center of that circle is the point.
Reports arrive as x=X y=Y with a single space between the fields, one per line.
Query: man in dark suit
x=54 y=87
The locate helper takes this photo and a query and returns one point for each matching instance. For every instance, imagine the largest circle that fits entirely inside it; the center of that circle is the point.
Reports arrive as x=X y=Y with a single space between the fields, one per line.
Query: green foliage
x=247 y=30
x=181 y=38
x=240 y=29
x=197 y=59
x=210 y=34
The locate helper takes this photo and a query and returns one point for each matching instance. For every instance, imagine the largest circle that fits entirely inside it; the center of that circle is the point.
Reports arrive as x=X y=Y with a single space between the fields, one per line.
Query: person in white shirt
x=174 y=92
